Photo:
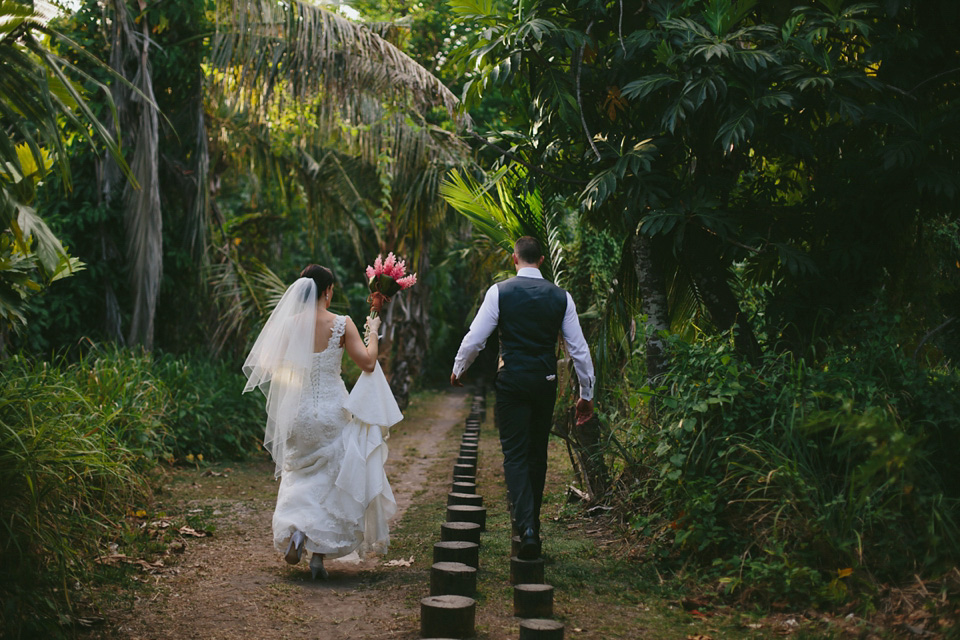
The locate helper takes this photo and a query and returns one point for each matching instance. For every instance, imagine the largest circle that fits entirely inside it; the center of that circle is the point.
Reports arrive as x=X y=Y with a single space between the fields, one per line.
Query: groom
x=531 y=313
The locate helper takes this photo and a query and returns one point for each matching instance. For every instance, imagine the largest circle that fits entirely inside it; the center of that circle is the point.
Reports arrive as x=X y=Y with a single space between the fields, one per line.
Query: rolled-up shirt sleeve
x=578 y=349
x=480 y=329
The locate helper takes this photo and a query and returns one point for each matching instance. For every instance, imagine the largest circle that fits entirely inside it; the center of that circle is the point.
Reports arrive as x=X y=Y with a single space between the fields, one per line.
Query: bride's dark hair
x=322 y=276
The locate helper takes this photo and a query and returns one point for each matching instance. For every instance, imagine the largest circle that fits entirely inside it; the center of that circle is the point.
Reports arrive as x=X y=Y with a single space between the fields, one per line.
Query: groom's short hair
x=528 y=249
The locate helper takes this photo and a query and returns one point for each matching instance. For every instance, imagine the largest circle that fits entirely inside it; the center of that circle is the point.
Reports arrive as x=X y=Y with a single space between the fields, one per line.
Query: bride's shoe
x=295 y=548
x=316 y=567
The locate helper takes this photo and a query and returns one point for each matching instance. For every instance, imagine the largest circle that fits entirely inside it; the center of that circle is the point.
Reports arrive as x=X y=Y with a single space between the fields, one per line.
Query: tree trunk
x=410 y=314
x=653 y=295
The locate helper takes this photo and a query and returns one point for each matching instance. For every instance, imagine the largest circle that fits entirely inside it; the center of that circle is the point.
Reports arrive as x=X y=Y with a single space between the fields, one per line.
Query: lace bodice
x=321 y=415
x=326 y=363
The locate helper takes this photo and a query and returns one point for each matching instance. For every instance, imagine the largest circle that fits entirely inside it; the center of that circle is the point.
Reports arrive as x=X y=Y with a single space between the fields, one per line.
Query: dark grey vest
x=531 y=316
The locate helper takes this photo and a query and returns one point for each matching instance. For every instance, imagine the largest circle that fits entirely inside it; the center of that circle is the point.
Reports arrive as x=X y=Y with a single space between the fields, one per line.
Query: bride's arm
x=364 y=355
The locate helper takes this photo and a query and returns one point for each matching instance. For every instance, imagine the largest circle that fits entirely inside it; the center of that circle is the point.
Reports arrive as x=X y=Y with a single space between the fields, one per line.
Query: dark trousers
x=524 y=413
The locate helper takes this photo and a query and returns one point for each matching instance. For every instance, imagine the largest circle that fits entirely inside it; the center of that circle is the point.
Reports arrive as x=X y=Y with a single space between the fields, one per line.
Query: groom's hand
x=584 y=410
x=455 y=381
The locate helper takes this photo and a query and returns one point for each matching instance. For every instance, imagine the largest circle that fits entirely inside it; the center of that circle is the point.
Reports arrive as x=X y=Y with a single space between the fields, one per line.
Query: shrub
x=208 y=415
x=72 y=443
x=75 y=442
x=798 y=477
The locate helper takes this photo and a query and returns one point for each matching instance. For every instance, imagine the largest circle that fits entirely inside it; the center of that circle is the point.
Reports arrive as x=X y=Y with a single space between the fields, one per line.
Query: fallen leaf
x=399 y=563
x=190 y=531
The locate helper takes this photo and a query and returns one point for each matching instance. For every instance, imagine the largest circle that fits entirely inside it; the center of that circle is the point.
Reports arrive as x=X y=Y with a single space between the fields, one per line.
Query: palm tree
x=354 y=89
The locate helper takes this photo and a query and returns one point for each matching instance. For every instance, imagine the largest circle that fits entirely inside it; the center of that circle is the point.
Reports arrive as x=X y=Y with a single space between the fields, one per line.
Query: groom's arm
x=476 y=339
x=578 y=350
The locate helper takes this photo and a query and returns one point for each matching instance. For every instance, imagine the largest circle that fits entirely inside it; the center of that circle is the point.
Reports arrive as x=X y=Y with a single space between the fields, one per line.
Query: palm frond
x=293 y=50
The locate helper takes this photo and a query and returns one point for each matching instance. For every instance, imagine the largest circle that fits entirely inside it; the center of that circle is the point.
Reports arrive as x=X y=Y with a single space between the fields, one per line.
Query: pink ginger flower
x=378 y=265
x=371 y=274
x=408 y=281
x=389 y=263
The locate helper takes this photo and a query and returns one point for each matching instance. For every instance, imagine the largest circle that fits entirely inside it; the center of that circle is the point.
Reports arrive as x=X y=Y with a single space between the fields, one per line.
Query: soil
x=233 y=585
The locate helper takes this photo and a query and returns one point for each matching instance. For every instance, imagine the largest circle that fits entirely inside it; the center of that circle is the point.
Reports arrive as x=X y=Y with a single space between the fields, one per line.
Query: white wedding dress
x=333 y=486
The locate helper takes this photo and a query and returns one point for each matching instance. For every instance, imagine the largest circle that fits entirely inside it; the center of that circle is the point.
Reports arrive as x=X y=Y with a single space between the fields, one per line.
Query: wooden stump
x=460 y=532
x=467 y=553
x=465 y=487
x=533 y=601
x=537 y=629
x=464 y=470
x=465 y=498
x=448 y=616
x=453 y=579
x=470 y=461
x=468 y=451
x=468 y=513
x=526 y=571
x=515 y=546
x=459 y=477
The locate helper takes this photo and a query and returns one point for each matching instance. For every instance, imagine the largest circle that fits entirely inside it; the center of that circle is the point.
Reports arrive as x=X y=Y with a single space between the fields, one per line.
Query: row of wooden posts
x=450 y=610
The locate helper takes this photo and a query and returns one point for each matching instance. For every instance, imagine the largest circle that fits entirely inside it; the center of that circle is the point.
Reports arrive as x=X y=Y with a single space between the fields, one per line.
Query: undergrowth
x=799 y=480
x=77 y=440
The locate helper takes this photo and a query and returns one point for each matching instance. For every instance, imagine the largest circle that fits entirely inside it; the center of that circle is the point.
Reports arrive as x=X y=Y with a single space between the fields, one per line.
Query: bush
x=75 y=442
x=208 y=416
x=801 y=479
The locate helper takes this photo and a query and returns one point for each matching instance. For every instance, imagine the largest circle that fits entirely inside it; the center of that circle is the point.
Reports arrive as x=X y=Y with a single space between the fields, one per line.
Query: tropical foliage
x=755 y=206
x=777 y=180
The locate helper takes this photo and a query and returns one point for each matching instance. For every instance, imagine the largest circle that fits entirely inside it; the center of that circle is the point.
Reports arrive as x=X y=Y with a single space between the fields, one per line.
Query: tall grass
x=69 y=467
x=76 y=439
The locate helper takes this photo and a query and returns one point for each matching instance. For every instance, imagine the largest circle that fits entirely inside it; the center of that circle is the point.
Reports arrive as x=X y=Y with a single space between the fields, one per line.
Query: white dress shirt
x=488 y=316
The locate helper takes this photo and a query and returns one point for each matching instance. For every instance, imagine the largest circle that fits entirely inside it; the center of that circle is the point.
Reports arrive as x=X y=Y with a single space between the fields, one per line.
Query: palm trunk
x=411 y=336
x=653 y=295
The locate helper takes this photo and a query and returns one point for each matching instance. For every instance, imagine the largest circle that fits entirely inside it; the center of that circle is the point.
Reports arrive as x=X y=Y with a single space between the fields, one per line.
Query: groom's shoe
x=529 y=545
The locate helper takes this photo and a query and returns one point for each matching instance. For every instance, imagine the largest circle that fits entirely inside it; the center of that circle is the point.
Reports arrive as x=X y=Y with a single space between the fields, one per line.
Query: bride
x=329 y=446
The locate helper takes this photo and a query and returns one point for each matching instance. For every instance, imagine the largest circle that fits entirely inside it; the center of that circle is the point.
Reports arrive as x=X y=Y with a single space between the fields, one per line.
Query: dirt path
x=233 y=585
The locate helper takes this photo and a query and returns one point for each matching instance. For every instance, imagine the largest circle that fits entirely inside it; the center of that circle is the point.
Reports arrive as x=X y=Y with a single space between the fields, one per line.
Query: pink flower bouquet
x=386 y=278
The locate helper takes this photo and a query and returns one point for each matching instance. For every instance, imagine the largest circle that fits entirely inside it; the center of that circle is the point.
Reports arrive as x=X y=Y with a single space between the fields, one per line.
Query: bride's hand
x=373 y=326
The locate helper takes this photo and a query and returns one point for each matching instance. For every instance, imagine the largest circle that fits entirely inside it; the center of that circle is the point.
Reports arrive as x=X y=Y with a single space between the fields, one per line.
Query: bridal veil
x=280 y=361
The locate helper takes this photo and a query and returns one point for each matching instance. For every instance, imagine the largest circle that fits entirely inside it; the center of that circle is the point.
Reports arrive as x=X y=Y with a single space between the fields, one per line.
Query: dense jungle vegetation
x=754 y=203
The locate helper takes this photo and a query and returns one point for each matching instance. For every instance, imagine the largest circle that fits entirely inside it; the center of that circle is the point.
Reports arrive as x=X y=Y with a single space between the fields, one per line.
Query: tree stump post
x=453 y=579
x=467 y=553
x=467 y=513
x=533 y=601
x=465 y=498
x=526 y=571
x=460 y=532
x=470 y=461
x=464 y=487
x=447 y=616
x=537 y=629
x=464 y=470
